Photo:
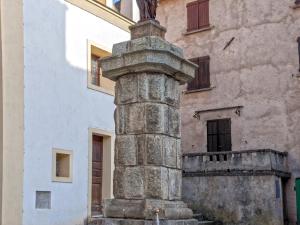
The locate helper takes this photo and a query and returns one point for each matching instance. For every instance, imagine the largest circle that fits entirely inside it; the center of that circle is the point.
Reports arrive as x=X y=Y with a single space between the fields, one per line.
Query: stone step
x=203 y=220
x=206 y=223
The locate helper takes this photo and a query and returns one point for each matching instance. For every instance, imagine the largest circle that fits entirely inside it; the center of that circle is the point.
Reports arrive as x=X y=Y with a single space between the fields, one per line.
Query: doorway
x=97 y=174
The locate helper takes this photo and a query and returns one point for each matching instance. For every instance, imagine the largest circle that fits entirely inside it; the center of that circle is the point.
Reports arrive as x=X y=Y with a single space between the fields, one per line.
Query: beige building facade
x=253 y=76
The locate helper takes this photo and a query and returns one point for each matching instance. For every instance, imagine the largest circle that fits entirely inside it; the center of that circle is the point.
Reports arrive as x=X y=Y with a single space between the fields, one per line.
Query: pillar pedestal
x=148 y=168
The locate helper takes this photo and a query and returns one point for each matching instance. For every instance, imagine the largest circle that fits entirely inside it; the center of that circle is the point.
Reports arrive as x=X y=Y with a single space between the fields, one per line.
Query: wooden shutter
x=224 y=135
x=212 y=136
x=202 y=74
x=193 y=16
x=203 y=14
x=197 y=15
x=193 y=84
x=219 y=135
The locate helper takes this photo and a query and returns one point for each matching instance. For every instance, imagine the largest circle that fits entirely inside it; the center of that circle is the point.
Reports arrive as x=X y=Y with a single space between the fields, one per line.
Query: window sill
x=101 y=89
x=199 y=30
x=62 y=179
x=198 y=90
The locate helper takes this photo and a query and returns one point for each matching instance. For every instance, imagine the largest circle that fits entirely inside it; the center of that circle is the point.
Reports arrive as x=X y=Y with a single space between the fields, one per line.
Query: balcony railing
x=250 y=162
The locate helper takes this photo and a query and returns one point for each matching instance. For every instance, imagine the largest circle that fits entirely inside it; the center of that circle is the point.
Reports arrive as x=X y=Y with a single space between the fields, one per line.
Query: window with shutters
x=219 y=135
x=95 y=79
x=197 y=15
x=202 y=75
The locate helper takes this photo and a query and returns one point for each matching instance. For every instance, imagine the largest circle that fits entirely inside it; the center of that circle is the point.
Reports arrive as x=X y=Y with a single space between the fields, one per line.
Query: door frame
x=108 y=165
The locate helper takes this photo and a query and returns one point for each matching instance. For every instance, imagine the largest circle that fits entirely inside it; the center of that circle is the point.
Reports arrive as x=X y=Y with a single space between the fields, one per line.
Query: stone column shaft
x=148 y=172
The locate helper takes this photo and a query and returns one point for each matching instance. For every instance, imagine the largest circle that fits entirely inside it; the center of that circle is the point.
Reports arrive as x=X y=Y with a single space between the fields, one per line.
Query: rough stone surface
x=148 y=28
x=141 y=222
x=235 y=200
x=148 y=171
x=144 y=209
x=258 y=71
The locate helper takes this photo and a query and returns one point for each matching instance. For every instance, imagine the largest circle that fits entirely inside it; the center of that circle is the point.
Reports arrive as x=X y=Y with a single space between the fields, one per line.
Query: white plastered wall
x=59 y=108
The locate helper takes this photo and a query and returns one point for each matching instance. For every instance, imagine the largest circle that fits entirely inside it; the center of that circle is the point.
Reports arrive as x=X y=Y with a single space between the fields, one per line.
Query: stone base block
x=109 y=221
x=145 y=209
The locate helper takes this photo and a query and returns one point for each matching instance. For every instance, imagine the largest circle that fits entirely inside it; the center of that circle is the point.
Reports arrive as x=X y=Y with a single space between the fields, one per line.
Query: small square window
x=43 y=200
x=62 y=166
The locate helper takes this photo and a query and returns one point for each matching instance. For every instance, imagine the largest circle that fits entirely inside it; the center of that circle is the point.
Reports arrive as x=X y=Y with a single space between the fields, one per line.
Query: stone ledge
x=139 y=56
x=251 y=162
x=150 y=43
x=109 y=221
x=199 y=30
x=144 y=209
x=237 y=173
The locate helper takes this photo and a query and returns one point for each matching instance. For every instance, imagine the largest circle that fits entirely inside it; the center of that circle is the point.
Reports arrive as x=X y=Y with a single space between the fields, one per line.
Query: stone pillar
x=148 y=168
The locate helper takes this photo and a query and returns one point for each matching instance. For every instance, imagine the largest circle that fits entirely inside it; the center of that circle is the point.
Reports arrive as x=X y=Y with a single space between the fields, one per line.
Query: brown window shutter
x=193 y=16
x=193 y=84
x=197 y=15
x=202 y=74
x=203 y=14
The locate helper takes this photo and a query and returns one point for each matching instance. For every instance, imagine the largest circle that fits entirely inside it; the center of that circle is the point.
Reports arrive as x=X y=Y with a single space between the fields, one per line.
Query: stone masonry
x=148 y=166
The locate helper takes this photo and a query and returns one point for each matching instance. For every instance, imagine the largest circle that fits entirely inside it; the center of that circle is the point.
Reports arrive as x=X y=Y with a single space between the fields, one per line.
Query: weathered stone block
x=126 y=150
x=126 y=89
x=179 y=154
x=170 y=151
x=129 y=182
x=147 y=28
x=120 y=120
x=155 y=185
x=124 y=208
x=174 y=122
x=118 y=182
x=156 y=87
x=155 y=117
x=172 y=91
x=154 y=149
x=143 y=87
x=175 y=183
x=141 y=149
x=134 y=183
x=135 y=118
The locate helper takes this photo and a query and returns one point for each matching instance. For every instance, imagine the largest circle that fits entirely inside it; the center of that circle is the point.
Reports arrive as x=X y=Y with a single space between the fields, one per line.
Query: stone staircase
x=203 y=221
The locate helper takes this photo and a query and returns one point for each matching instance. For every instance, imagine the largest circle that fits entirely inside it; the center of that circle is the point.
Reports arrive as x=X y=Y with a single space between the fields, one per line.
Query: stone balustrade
x=250 y=162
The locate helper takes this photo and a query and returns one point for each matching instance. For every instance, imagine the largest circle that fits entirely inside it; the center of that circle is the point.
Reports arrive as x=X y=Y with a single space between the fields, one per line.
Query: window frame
x=56 y=178
x=100 y=51
x=218 y=134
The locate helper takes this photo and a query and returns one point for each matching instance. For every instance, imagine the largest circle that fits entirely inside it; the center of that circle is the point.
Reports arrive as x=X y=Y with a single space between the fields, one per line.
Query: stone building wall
x=255 y=204
x=257 y=71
